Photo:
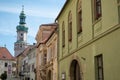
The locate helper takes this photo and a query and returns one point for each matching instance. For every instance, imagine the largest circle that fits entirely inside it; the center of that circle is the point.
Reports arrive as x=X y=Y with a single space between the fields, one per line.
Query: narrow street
x=59 y=39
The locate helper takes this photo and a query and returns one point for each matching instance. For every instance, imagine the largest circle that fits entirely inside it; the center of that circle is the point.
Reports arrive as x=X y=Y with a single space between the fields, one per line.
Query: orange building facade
x=46 y=65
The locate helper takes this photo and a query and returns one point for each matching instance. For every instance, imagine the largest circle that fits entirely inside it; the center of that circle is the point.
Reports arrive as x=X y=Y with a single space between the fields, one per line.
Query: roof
x=47 y=35
x=62 y=9
x=5 y=54
x=22 y=28
x=26 y=51
x=51 y=24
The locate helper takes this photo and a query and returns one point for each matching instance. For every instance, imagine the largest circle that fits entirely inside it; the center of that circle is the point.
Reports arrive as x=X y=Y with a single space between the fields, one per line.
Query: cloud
x=42 y=12
x=7 y=32
x=46 y=12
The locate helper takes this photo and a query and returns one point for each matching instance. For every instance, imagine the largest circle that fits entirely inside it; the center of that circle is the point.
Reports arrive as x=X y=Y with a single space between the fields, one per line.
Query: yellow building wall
x=64 y=18
x=98 y=37
x=109 y=17
x=108 y=46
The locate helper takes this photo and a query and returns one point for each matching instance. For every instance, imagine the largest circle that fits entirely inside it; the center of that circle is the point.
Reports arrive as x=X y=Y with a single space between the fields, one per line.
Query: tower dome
x=22 y=24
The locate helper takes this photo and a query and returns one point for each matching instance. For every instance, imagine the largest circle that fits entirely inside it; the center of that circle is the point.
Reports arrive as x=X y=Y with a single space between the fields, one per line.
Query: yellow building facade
x=89 y=40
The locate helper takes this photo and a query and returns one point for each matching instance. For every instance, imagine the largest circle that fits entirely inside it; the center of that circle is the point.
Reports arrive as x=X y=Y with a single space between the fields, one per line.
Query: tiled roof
x=5 y=54
x=50 y=28
x=26 y=51
x=47 y=31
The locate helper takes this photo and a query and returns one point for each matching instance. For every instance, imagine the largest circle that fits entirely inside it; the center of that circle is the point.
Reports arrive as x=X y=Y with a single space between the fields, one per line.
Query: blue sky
x=37 y=11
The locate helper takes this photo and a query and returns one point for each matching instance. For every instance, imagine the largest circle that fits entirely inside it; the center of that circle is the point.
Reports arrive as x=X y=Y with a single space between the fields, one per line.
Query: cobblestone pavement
x=13 y=78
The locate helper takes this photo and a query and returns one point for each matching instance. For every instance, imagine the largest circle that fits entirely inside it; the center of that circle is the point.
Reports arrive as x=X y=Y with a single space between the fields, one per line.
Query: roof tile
x=5 y=54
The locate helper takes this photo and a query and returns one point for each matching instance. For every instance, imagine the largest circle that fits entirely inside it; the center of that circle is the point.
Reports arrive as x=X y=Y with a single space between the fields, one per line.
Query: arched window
x=70 y=26
x=79 y=16
x=97 y=9
x=63 y=34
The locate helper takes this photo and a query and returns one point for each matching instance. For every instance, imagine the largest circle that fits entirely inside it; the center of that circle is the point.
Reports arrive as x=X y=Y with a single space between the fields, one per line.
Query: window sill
x=96 y=21
x=79 y=33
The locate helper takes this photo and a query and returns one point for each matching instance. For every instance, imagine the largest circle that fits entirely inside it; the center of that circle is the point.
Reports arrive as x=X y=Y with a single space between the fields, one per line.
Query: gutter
x=61 y=10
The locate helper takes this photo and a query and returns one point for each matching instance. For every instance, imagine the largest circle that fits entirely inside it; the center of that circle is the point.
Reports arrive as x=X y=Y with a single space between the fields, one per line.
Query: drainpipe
x=57 y=31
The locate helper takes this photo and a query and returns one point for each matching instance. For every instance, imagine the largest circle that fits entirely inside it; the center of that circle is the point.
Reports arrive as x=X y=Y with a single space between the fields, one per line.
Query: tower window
x=21 y=34
x=21 y=38
x=21 y=46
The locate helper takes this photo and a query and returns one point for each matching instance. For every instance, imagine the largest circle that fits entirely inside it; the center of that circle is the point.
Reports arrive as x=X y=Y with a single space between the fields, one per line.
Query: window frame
x=21 y=34
x=6 y=64
x=63 y=34
x=97 y=9
x=99 y=67
x=79 y=16
x=70 y=26
x=118 y=5
x=45 y=57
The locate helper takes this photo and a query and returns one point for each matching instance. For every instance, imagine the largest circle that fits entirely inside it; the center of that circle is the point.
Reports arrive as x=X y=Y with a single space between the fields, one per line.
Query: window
x=99 y=67
x=21 y=38
x=13 y=64
x=20 y=46
x=63 y=36
x=6 y=64
x=118 y=2
x=49 y=54
x=79 y=17
x=53 y=53
x=70 y=26
x=21 y=34
x=5 y=72
x=45 y=57
x=32 y=67
x=98 y=11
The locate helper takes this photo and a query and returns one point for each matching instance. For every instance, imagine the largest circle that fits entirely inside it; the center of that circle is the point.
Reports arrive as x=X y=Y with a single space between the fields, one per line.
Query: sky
x=37 y=12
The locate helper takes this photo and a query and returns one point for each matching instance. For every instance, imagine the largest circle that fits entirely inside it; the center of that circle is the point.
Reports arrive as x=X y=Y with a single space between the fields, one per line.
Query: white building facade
x=8 y=66
x=7 y=63
x=29 y=64
x=32 y=63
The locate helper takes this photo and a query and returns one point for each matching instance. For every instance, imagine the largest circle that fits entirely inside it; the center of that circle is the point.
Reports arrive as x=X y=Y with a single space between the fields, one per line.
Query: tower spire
x=22 y=31
x=22 y=24
x=22 y=7
x=22 y=16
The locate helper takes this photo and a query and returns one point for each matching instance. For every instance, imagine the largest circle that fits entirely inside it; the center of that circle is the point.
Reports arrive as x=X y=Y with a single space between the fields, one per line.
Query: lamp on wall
x=83 y=58
x=63 y=76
